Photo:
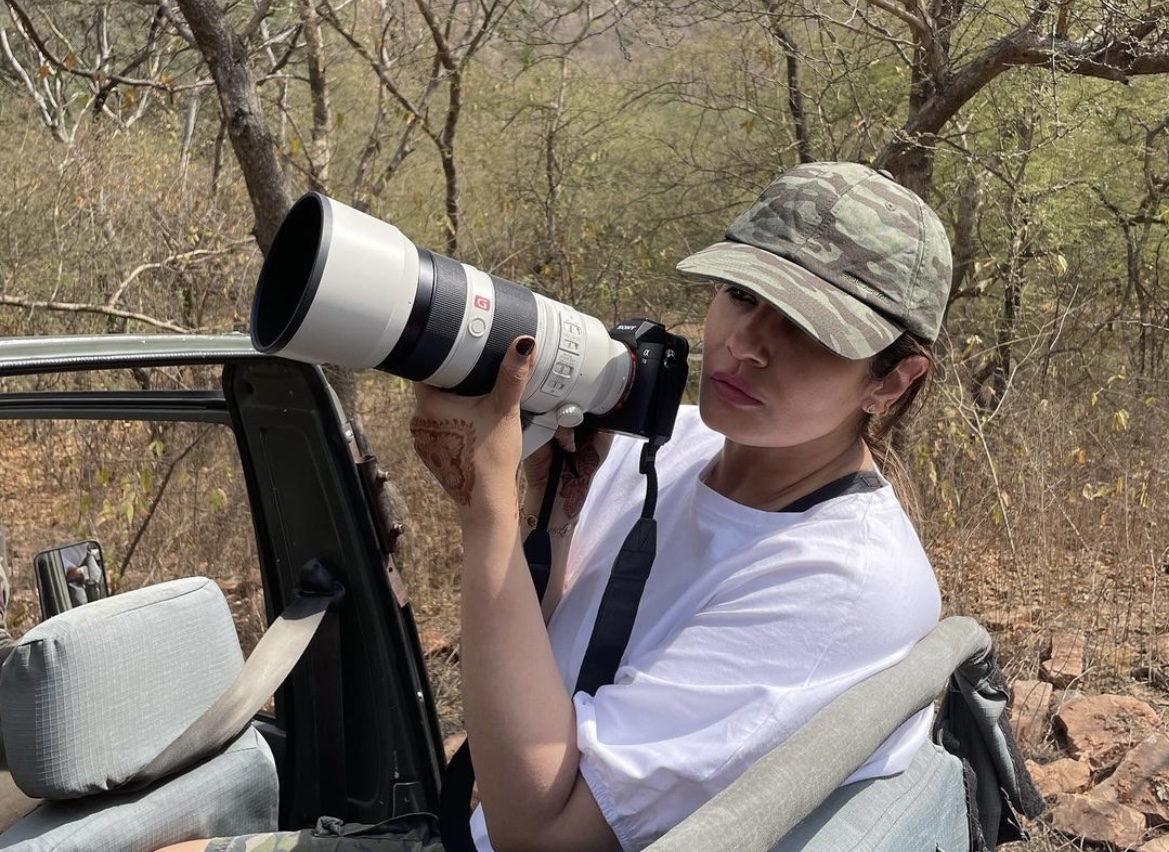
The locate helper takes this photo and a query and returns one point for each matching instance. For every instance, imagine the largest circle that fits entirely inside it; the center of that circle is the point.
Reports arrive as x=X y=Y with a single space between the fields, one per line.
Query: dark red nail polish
x=524 y=346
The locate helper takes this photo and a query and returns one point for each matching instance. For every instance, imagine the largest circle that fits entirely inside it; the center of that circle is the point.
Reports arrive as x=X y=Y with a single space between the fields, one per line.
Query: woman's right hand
x=585 y=450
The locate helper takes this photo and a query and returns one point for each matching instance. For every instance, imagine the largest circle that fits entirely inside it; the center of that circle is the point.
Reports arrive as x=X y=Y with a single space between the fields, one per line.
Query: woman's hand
x=585 y=450
x=473 y=445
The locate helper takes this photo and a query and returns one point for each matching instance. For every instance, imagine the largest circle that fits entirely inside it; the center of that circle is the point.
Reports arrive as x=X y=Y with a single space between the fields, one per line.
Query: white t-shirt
x=750 y=622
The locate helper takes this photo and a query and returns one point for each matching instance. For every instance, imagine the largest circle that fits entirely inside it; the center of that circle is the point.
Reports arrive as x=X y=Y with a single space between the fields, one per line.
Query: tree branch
x=183 y=260
x=442 y=48
x=153 y=507
x=81 y=308
x=39 y=99
x=71 y=68
x=904 y=15
x=243 y=113
x=1110 y=57
x=417 y=112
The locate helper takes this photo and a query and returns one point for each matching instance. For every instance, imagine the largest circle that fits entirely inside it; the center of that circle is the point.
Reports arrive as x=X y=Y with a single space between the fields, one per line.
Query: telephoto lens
x=341 y=287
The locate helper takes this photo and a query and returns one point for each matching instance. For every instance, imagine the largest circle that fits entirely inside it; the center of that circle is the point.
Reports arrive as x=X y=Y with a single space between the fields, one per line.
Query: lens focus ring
x=514 y=314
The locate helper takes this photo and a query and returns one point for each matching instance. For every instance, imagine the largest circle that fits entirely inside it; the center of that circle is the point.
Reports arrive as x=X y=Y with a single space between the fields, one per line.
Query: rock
x=1066 y=664
x=1157 y=844
x=1065 y=697
x=1098 y=820
x=1141 y=780
x=434 y=643
x=1100 y=729
x=1030 y=701
x=1060 y=776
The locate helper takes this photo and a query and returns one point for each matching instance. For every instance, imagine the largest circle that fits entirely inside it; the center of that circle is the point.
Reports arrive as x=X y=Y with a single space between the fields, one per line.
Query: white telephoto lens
x=362 y=295
x=576 y=362
x=341 y=287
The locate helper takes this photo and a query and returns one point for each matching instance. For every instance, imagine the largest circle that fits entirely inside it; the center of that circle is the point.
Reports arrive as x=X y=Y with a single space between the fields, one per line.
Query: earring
x=871 y=408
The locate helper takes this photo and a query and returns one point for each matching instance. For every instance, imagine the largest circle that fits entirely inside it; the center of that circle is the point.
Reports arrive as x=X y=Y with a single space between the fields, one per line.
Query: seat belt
x=602 y=657
x=271 y=661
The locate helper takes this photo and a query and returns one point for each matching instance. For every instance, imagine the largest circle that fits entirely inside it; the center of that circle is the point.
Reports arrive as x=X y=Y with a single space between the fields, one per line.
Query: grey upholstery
x=90 y=696
x=787 y=784
x=790 y=799
x=234 y=793
x=919 y=810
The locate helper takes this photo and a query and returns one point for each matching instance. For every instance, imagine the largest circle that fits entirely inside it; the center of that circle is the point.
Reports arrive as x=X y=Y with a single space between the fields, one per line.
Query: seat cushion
x=90 y=696
x=233 y=793
x=922 y=809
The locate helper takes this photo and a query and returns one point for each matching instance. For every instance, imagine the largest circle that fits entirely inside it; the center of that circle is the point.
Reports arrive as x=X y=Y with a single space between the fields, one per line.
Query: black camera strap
x=538 y=544
x=622 y=595
x=611 y=630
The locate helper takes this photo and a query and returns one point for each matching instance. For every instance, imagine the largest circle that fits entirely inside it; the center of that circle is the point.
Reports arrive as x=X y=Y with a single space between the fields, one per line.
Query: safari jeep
x=159 y=488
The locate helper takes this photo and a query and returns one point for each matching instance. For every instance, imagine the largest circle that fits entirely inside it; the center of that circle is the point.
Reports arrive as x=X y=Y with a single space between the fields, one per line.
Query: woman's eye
x=739 y=295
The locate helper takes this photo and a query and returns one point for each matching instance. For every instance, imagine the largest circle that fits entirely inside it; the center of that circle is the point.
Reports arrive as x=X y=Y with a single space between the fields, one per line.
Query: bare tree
x=447 y=39
x=112 y=59
x=107 y=60
x=949 y=51
x=1143 y=224
x=319 y=152
x=1115 y=41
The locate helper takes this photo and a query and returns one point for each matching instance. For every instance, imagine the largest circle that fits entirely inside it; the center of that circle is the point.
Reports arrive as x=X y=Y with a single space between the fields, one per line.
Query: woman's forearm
x=520 y=719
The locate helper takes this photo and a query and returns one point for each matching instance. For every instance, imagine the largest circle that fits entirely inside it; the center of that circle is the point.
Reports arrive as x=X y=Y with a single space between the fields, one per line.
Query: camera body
x=651 y=402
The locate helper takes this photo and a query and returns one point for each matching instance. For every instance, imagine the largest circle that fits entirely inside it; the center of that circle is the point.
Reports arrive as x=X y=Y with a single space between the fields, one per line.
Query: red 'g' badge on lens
x=482 y=303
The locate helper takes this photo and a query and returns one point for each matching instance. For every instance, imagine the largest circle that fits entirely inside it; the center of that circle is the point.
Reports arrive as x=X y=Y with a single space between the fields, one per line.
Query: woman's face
x=765 y=383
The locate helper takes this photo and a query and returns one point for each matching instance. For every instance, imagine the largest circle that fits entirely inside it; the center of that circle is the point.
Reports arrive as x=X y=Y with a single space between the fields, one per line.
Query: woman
x=786 y=569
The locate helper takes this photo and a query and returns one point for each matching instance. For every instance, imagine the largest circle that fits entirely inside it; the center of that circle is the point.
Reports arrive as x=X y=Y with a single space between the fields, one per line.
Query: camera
x=341 y=287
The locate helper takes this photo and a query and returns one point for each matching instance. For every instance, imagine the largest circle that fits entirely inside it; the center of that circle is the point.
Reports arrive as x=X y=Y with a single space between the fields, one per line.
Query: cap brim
x=848 y=327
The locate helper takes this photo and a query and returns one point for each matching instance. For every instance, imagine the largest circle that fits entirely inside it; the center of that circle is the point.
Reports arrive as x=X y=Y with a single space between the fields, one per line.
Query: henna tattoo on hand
x=575 y=479
x=447 y=448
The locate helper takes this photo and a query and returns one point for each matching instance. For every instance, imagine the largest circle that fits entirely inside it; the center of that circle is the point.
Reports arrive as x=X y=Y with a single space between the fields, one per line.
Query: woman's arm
x=520 y=718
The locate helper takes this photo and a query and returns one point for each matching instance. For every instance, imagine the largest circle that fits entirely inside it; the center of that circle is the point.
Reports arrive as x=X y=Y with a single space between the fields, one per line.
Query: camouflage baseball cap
x=850 y=255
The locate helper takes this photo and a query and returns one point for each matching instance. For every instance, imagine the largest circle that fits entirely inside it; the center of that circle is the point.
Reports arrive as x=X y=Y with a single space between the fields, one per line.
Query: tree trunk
x=227 y=58
x=319 y=154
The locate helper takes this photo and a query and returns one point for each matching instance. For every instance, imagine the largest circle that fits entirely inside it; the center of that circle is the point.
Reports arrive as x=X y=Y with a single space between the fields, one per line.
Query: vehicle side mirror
x=69 y=576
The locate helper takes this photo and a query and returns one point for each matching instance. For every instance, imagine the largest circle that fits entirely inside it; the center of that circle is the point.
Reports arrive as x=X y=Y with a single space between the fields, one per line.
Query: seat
x=919 y=810
x=791 y=799
x=89 y=697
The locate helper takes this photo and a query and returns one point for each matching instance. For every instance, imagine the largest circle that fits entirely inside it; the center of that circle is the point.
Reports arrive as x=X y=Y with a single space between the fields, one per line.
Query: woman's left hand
x=473 y=445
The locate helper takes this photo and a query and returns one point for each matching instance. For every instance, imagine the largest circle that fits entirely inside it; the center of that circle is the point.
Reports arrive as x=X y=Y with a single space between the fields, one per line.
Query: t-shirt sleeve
x=686 y=718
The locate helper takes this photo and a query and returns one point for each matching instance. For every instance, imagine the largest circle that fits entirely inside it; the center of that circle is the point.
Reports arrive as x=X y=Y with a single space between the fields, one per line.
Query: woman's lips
x=733 y=390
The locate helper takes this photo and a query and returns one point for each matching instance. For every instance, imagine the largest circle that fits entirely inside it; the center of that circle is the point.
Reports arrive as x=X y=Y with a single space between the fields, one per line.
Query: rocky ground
x=1101 y=761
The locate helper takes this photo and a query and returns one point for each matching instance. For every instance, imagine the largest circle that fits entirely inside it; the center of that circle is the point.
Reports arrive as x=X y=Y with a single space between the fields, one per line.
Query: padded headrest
x=90 y=696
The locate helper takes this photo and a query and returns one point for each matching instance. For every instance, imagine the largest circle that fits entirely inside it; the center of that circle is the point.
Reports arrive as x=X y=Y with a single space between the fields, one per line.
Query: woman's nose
x=750 y=339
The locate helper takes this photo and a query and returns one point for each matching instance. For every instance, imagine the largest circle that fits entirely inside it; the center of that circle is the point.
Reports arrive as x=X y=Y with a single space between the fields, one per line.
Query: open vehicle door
x=353 y=731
